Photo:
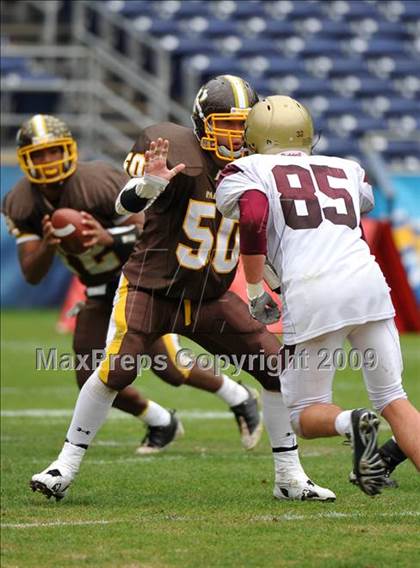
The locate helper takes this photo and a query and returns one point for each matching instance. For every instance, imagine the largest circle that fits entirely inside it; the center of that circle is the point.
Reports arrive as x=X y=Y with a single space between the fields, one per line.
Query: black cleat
x=368 y=466
x=249 y=420
x=157 y=438
x=389 y=483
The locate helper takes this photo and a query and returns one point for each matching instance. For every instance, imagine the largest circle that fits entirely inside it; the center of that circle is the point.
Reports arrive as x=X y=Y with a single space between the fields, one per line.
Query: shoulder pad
x=183 y=146
x=19 y=203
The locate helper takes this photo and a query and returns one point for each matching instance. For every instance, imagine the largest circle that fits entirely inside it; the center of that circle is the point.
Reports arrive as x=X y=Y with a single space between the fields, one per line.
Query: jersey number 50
x=306 y=192
x=223 y=258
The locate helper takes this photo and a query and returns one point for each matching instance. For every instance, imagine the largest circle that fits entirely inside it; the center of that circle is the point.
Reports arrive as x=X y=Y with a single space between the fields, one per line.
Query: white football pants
x=308 y=378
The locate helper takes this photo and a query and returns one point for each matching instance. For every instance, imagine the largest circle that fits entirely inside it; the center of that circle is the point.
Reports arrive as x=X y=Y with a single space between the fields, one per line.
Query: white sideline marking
x=262 y=518
x=53 y=524
x=329 y=515
x=114 y=415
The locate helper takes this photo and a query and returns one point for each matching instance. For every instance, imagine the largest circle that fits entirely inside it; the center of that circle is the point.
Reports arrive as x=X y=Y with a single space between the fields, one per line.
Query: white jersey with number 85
x=329 y=278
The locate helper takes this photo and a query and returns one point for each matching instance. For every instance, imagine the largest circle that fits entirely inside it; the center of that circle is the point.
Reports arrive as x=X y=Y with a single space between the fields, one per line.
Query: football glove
x=264 y=309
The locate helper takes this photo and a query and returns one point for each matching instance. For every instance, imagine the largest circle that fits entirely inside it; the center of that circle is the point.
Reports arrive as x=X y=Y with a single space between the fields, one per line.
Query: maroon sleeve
x=253 y=205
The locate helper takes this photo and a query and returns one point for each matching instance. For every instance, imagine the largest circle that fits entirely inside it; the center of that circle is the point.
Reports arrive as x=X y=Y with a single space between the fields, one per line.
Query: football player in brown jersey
x=54 y=178
x=177 y=280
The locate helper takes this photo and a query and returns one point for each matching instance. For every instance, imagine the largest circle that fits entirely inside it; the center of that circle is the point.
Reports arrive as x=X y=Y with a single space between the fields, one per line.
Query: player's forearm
x=253 y=267
x=139 y=193
x=36 y=263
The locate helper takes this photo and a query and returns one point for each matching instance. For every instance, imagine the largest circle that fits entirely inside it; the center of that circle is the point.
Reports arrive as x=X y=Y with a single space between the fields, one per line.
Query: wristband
x=254 y=290
x=150 y=187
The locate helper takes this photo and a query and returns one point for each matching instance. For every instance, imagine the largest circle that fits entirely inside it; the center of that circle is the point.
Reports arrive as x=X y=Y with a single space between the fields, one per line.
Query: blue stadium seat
x=362 y=86
x=353 y=62
x=10 y=65
x=340 y=105
x=217 y=65
x=247 y=9
x=341 y=66
x=319 y=46
x=333 y=146
x=187 y=47
x=277 y=65
x=400 y=106
x=411 y=10
x=130 y=8
x=215 y=27
x=334 y=29
x=401 y=148
x=156 y=27
x=299 y=87
x=249 y=46
x=350 y=9
x=180 y=9
x=300 y=10
x=273 y=28
x=379 y=46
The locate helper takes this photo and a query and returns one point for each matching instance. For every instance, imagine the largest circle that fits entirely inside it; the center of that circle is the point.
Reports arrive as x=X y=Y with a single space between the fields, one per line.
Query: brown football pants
x=222 y=326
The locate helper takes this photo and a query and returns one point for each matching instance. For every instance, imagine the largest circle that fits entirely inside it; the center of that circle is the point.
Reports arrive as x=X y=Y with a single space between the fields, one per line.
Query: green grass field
x=204 y=502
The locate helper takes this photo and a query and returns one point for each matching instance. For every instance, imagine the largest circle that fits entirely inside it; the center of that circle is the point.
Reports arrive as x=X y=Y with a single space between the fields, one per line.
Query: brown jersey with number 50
x=187 y=250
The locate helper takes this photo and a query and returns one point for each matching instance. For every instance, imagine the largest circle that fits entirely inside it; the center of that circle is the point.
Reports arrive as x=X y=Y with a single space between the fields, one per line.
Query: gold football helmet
x=222 y=100
x=42 y=132
x=279 y=123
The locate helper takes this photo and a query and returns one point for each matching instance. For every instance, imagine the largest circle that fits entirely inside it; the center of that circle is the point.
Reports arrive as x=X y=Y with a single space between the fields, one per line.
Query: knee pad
x=296 y=408
x=381 y=397
x=294 y=420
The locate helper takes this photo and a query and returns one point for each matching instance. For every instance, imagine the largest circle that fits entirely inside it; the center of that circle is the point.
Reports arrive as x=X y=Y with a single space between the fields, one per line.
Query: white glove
x=147 y=186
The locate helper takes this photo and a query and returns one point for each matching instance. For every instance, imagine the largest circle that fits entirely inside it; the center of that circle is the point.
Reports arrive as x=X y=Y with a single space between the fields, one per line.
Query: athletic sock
x=71 y=456
x=343 y=423
x=92 y=407
x=391 y=453
x=155 y=415
x=282 y=438
x=232 y=392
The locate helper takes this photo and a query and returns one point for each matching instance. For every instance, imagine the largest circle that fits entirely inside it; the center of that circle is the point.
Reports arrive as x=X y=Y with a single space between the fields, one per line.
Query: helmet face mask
x=42 y=133
x=227 y=143
x=223 y=100
x=277 y=124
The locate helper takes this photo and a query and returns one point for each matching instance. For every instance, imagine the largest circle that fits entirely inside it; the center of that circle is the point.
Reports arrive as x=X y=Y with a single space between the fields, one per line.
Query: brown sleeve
x=183 y=148
x=97 y=185
x=21 y=211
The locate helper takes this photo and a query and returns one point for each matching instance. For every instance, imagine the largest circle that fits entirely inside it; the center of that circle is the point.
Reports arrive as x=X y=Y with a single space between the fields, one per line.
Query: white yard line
x=329 y=515
x=54 y=524
x=262 y=518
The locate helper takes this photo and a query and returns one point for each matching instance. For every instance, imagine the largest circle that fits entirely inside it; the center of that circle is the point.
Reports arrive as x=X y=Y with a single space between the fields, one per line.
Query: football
x=68 y=226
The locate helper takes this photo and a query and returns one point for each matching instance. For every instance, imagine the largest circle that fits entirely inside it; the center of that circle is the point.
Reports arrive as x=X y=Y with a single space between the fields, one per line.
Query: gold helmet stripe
x=239 y=91
x=39 y=125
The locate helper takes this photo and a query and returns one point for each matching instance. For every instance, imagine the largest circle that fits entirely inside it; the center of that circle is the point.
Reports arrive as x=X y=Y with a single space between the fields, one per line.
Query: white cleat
x=301 y=489
x=53 y=481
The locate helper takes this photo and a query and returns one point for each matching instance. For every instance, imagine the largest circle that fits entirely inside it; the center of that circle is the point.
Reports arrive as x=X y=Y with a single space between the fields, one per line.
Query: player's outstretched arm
x=140 y=193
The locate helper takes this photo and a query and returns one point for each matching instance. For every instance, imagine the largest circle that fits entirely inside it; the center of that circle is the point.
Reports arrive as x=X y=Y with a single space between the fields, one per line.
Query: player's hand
x=156 y=161
x=49 y=239
x=264 y=309
x=94 y=233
